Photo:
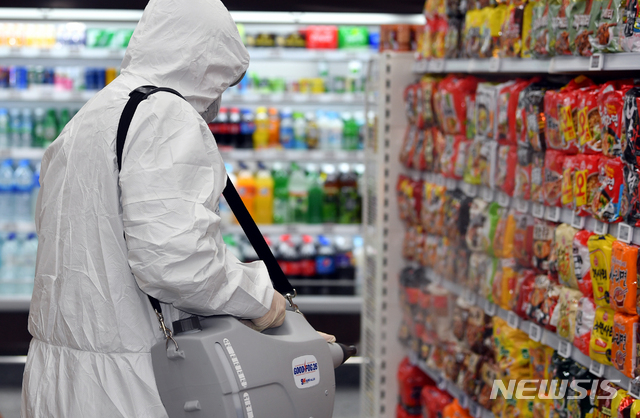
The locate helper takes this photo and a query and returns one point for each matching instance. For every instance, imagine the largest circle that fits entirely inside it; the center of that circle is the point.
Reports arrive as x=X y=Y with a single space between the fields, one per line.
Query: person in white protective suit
x=107 y=239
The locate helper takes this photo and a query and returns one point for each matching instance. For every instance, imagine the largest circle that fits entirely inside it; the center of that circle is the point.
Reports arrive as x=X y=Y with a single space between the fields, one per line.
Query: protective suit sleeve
x=171 y=179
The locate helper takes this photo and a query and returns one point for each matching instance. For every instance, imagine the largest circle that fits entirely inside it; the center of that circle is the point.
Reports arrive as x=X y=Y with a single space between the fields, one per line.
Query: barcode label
x=437 y=66
x=596 y=62
x=564 y=348
x=494 y=65
x=601 y=228
x=538 y=210
x=535 y=332
x=625 y=233
x=553 y=213
x=513 y=320
x=577 y=221
x=596 y=368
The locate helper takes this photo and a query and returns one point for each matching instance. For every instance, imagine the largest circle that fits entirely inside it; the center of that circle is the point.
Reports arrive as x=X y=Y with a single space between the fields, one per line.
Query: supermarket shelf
x=14 y=303
x=46 y=96
x=302 y=54
x=22 y=153
x=442 y=383
x=292 y=155
x=343 y=99
x=610 y=62
x=44 y=56
x=320 y=282
x=311 y=229
x=329 y=304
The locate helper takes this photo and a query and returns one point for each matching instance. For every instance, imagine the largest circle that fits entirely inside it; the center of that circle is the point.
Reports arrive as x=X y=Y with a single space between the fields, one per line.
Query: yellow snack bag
x=615 y=402
x=527 y=18
x=601 y=336
x=600 y=248
x=635 y=408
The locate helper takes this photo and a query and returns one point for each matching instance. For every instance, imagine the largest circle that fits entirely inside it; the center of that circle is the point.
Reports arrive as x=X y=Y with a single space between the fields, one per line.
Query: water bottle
x=15 y=127
x=26 y=270
x=35 y=191
x=6 y=192
x=8 y=254
x=26 y=128
x=23 y=178
x=4 y=128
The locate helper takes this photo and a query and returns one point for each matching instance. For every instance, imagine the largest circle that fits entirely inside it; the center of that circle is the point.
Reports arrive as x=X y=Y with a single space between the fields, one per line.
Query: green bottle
x=349 y=202
x=298 y=195
x=38 y=127
x=280 y=194
x=314 y=211
x=64 y=119
x=50 y=128
x=350 y=132
x=331 y=195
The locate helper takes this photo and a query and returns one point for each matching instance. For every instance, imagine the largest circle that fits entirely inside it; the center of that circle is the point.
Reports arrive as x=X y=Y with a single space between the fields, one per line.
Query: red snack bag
x=610 y=106
x=433 y=401
x=404 y=202
x=568 y=173
x=410 y=382
x=408 y=146
x=512 y=109
x=506 y=168
x=426 y=162
x=453 y=92
x=589 y=124
x=439 y=145
x=537 y=175
x=586 y=182
x=610 y=202
x=552 y=182
x=582 y=262
x=585 y=317
x=322 y=37
x=426 y=117
x=523 y=239
x=523 y=292
x=411 y=99
x=522 y=187
x=449 y=156
x=552 y=122
x=567 y=114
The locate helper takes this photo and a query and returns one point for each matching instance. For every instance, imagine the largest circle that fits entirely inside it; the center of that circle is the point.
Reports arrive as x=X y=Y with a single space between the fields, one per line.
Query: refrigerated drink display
x=233 y=128
x=23 y=185
x=4 y=129
x=299 y=131
x=50 y=128
x=313 y=131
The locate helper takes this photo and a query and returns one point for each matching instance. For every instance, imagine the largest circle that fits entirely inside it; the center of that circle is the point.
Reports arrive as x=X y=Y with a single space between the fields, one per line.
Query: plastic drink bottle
x=324 y=127
x=14 y=127
x=314 y=211
x=26 y=129
x=325 y=262
x=247 y=127
x=308 y=255
x=65 y=117
x=274 y=128
x=350 y=135
x=261 y=134
x=361 y=123
x=233 y=127
x=38 y=127
x=222 y=128
x=264 y=196
x=313 y=131
x=27 y=264
x=345 y=268
x=246 y=185
x=336 y=127
x=331 y=198
x=298 y=195
x=50 y=128
x=4 y=128
x=23 y=181
x=348 y=209
x=280 y=195
x=299 y=131
x=287 y=139
x=35 y=190
x=8 y=271
x=6 y=191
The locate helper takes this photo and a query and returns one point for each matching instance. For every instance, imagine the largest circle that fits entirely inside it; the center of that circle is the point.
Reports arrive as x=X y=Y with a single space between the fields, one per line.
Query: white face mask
x=212 y=111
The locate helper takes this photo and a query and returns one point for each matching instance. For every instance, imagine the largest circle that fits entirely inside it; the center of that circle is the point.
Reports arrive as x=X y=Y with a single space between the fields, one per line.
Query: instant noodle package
x=624 y=343
x=600 y=249
x=624 y=277
x=602 y=335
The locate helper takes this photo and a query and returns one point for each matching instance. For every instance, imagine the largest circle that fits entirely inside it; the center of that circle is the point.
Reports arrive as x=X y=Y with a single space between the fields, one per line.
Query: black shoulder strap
x=280 y=281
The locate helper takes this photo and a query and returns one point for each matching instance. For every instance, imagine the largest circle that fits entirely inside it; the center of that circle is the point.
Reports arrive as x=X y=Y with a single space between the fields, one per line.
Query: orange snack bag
x=624 y=278
x=455 y=410
x=623 y=343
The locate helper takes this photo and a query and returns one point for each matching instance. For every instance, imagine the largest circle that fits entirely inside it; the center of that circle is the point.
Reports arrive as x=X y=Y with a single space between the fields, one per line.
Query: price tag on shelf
x=625 y=232
x=513 y=320
x=537 y=210
x=436 y=66
x=577 y=221
x=486 y=194
x=535 y=332
x=596 y=62
x=441 y=382
x=494 y=65
x=490 y=308
x=634 y=388
x=464 y=401
x=470 y=296
x=522 y=205
x=600 y=228
x=553 y=213
x=503 y=199
x=451 y=184
x=469 y=189
x=564 y=348
x=474 y=410
x=596 y=368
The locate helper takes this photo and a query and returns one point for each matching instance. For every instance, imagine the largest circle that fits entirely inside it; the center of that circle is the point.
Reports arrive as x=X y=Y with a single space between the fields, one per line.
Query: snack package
x=493 y=214
x=564 y=236
x=544 y=299
x=460 y=163
x=504 y=283
x=455 y=410
x=589 y=123
x=506 y=164
x=478 y=266
x=583 y=18
x=609 y=26
x=611 y=202
x=527 y=25
x=631 y=36
x=433 y=401
x=504 y=234
x=623 y=343
x=508 y=94
x=477 y=163
x=630 y=122
x=631 y=182
x=568 y=100
x=489 y=153
x=408 y=146
x=486 y=287
x=624 y=277
x=610 y=105
x=478 y=213
x=586 y=182
x=472 y=40
x=452 y=40
x=600 y=249
x=449 y=156
x=540 y=24
x=552 y=122
x=537 y=173
x=531 y=101
x=450 y=100
x=601 y=336
x=581 y=263
x=564 y=315
x=522 y=187
x=525 y=290
x=543 y=232
x=485 y=111
x=568 y=173
x=426 y=116
x=523 y=238
x=553 y=174
x=555 y=14
x=560 y=25
x=585 y=317
x=511 y=39
x=439 y=145
x=471 y=116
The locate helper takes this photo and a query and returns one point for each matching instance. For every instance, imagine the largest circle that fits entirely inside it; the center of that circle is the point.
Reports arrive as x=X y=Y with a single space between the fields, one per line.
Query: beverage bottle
x=15 y=127
x=348 y=208
x=23 y=181
x=247 y=128
x=261 y=134
x=50 y=126
x=233 y=130
x=35 y=190
x=274 y=128
x=287 y=139
x=324 y=126
x=308 y=255
x=314 y=211
x=323 y=73
x=214 y=127
x=325 y=262
x=361 y=123
x=246 y=185
x=222 y=122
x=4 y=128
x=7 y=191
x=313 y=131
x=280 y=195
x=38 y=127
x=27 y=264
x=64 y=119
x=264 y=196
x=350 y=135
x=298 y=195
x=299 y=131
x=345 y=268
x=331 y=192
x=336 y=128
x=26 y=129
x=8 y=273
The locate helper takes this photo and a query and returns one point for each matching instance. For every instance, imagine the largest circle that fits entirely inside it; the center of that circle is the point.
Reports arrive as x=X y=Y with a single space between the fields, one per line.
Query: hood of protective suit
x=192 y=46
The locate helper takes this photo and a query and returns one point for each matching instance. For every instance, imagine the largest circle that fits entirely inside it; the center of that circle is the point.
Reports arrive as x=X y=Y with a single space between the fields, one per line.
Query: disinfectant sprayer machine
x=219 y=367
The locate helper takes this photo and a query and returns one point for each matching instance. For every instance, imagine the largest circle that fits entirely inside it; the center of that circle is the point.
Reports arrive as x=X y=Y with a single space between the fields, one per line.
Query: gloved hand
x=327 y=337
x=275 y=316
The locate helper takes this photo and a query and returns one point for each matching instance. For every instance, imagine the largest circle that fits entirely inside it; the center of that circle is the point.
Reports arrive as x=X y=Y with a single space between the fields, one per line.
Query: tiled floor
x=347 y=403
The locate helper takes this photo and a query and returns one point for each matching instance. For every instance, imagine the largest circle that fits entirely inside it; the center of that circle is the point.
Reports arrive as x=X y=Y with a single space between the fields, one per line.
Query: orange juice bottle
x=246 y=185
x=264 y=196
x=274 y=128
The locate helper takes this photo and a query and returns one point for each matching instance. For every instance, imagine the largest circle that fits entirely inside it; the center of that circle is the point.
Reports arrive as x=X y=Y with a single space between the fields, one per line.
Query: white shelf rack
x=22 y=153
x=343 y=99
x=311 y=229
x=293 y=155
x=14 y=303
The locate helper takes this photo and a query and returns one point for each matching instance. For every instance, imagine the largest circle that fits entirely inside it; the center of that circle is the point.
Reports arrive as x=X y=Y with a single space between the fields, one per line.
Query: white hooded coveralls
x=91 y=321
